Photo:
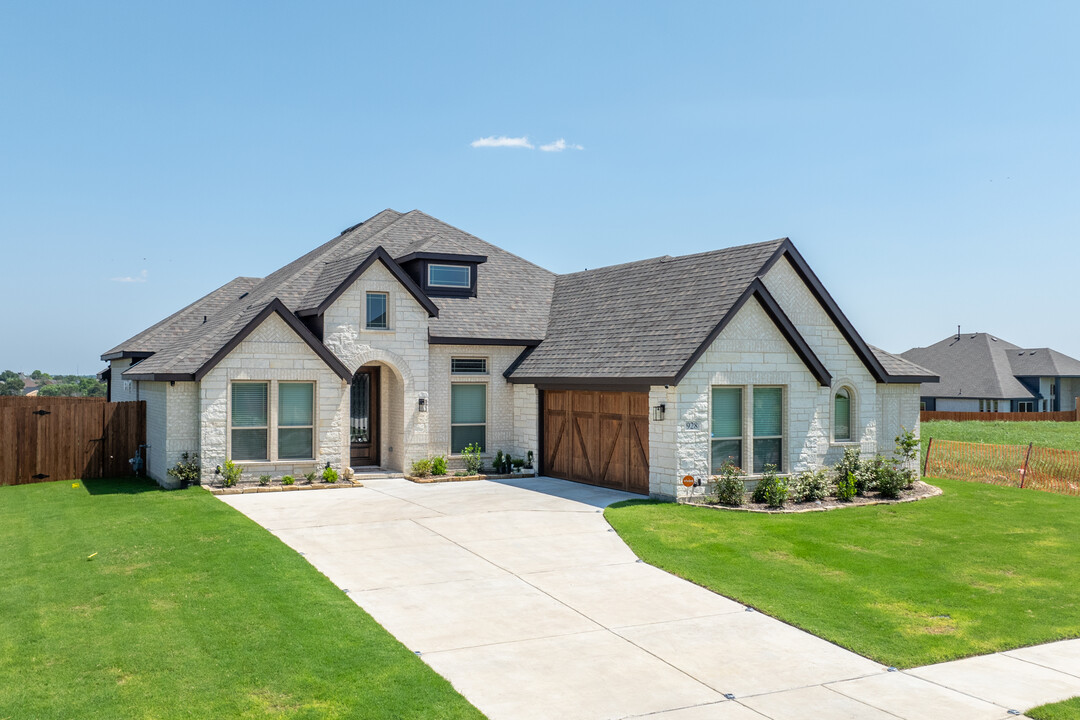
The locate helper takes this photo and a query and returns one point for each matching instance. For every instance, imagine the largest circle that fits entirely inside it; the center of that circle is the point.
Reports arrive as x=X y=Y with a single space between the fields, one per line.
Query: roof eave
x=121 y=354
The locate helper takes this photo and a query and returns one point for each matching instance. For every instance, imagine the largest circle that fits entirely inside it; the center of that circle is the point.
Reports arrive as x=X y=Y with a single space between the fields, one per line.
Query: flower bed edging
x=925 y=490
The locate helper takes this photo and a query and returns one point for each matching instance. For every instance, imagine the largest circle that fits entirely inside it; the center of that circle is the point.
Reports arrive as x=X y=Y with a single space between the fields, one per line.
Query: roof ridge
x=481 y=240
x=677 y=258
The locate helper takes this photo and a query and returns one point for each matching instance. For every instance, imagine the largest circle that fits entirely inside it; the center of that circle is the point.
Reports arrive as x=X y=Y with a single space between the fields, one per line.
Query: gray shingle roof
x=513 y=295
x=1042 y=362
x=643 y=319
x=976 y=366
x=898 y=366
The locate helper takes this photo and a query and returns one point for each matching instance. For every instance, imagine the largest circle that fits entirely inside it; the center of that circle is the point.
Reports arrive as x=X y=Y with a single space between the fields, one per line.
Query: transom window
x=250 y=421
x=468 y=415
x=377 y=316
x=842 y=415
x=296 y=420
x=732 y=440
x=453 y=276
x=468 y=366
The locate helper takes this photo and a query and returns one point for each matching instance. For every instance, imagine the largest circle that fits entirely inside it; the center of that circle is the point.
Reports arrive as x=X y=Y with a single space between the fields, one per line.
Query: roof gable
x=333 y=281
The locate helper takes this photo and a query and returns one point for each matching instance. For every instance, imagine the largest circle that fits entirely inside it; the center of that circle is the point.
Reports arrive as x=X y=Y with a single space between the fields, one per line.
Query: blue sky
x=922 y=156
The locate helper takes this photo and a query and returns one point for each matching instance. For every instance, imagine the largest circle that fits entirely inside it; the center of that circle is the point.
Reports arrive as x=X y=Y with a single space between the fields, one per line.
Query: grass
x=977 y=570
x=1064 y=710
x=123 y=601
x=1061 y=435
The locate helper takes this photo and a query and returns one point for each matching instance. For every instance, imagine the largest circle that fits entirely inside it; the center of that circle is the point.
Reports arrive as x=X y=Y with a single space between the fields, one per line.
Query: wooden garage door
x=600 y=438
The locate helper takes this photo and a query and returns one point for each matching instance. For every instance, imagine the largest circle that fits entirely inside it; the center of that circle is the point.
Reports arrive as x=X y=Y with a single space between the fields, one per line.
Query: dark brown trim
x=441 y=340
x=441 y=257
x=126 y=354
x=161 y=377
x=276 y=306
x=517 y=361
x=599 y=385
x=402 y=277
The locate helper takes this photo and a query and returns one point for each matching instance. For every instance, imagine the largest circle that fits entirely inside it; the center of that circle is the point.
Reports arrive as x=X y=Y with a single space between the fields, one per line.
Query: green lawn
x=187 y=610
x=979 y=569
x=1062 y=435
x=1064 y=710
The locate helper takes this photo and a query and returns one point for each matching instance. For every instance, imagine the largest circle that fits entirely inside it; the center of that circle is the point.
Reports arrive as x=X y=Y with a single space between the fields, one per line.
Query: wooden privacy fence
x=1024 y=466
x=45 y=439
x=1063 y=416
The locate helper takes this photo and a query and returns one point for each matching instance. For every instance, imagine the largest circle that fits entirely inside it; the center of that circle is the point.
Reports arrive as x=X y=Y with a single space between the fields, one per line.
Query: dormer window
x=449 y=276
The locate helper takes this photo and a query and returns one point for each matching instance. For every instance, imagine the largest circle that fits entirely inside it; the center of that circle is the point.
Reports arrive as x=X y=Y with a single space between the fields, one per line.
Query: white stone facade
x=751 y=351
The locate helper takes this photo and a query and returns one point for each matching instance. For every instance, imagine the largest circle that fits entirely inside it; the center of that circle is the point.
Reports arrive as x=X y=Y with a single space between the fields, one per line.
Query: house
x=980 y=372
x=405 y=338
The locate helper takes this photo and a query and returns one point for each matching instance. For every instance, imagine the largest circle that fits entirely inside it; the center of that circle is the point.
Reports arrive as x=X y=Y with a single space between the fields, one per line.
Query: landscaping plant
x=187 y=471
x=529 y=460
x=497 y=463
x=850 y=464
x=438 y=465
x=471 y=456
x=729 y=486
x=264 y=479
x=421 y=468
x=230 y=473
x=288 y=480
x=309 y=477
x=809 y=486
x=329 y=475
x=771 y=489
x=845 y=487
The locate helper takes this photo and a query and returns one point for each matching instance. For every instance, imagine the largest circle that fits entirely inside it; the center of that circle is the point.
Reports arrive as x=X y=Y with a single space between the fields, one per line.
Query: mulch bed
x=247 y=488
x=918 y=491
x=461 y=478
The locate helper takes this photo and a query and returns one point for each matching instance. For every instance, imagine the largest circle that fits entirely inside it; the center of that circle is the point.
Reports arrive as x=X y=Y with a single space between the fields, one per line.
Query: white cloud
x=503 y=141
x=140 y=278
x=560 y=145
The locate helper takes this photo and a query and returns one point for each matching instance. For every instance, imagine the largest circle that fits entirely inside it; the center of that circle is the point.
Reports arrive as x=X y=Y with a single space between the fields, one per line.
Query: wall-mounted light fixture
x=423 y=404
x=658 y=412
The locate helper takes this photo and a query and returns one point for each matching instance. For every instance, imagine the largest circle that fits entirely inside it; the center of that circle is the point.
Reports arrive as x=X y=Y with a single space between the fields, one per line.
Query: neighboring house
x=983 y=373
x=404 y=338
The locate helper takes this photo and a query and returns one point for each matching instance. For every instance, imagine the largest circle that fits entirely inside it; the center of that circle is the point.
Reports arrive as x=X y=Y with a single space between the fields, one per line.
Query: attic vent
x=666 y=258
x=242 y=296
x=1020 y=353
x=204 y=319
x=1032 y=352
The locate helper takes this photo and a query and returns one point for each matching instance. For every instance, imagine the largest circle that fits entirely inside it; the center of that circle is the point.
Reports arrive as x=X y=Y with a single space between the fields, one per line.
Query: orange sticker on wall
x=688 y=481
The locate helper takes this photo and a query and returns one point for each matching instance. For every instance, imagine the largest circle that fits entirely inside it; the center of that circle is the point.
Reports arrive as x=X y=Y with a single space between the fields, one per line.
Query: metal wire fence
x=1024 y=466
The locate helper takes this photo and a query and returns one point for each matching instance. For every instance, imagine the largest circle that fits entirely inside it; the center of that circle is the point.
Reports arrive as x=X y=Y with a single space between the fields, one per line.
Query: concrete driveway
x=521 y=594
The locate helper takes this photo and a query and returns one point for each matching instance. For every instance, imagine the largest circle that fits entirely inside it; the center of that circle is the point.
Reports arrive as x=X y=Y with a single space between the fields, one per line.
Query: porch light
x=658 y=412
x=423 y=404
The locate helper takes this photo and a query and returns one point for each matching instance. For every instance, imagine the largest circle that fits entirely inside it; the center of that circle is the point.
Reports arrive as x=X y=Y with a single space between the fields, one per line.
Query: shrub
x=264 y=479
x=421 y=468
x=518 y=463
x=471 y=456
x=771 y=489
x=288 y=480
x=810 y=486
x=907 y=449
x=529 y=459
x=891 y=481
x=497 y=463
x=461 y=473
x=329 y=475
x=230 y=473
x=845 y=487
x=729 y=486
x=438 y=465
x=870 y=474
x=187 y=471
x=850 y=464
x=309 y=477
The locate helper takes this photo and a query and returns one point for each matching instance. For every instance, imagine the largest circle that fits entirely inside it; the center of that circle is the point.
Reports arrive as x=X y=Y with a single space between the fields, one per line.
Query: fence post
x=926 y=460
x=1023 y=473
x=1078 y=409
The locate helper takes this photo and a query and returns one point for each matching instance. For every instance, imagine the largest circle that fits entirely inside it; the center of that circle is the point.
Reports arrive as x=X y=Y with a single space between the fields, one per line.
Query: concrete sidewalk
x=522 y=596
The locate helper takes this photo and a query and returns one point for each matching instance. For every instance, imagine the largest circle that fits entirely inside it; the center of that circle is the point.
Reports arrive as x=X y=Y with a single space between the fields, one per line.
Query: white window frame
x=487 y=417
x=466 y=268
x=277 y=420
x=748 y=436
x=852 y=424
x=367 y=311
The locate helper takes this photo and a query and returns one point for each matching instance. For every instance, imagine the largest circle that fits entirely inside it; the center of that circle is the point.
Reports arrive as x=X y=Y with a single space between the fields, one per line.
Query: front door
x=364 y=418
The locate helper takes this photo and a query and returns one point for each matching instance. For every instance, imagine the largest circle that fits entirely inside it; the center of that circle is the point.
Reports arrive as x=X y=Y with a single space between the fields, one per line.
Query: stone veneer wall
x=503 y=431
x=752 y=351
x=273 y=352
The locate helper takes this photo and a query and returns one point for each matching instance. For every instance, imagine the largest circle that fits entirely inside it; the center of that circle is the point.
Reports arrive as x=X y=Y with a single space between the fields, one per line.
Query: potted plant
x=518 y=463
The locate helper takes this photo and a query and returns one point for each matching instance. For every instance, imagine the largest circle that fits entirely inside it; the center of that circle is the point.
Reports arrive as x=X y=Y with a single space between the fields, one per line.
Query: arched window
x=842 y=415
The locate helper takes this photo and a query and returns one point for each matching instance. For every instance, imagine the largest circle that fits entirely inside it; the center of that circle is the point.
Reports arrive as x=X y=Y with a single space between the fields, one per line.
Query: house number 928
x=692 y=425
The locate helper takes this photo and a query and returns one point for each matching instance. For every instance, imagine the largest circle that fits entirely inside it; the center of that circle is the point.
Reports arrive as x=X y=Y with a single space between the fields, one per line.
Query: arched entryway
x=376 y=417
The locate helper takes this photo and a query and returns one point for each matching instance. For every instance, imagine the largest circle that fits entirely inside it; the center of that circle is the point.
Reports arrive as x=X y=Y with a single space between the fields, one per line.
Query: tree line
x=13 y=383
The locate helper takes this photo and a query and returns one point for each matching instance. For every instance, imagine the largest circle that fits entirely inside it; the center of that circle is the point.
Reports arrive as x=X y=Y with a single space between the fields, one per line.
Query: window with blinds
x=842 y=415
x=468 y=415
x=296 y=421
x=726 y=427
x=768 y=428
x=250 y=421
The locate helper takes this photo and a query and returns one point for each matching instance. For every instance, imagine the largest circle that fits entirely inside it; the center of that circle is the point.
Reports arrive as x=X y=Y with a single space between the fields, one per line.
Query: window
x=922 y=406
x=768 y=428
x=842 y=415
x=296 y=421
x=377 y=317
x=468 y=366
x=249 y=421
x=468 y=415
x=454 y=276
x=1025 y=406
x=988 y=406
x=726 y=427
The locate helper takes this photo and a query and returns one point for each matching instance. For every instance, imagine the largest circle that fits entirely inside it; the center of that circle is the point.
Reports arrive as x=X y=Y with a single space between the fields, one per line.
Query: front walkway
x=524 y=598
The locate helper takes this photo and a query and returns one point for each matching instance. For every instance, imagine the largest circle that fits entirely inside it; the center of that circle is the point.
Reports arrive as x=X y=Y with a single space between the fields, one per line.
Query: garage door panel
x=597 y=437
